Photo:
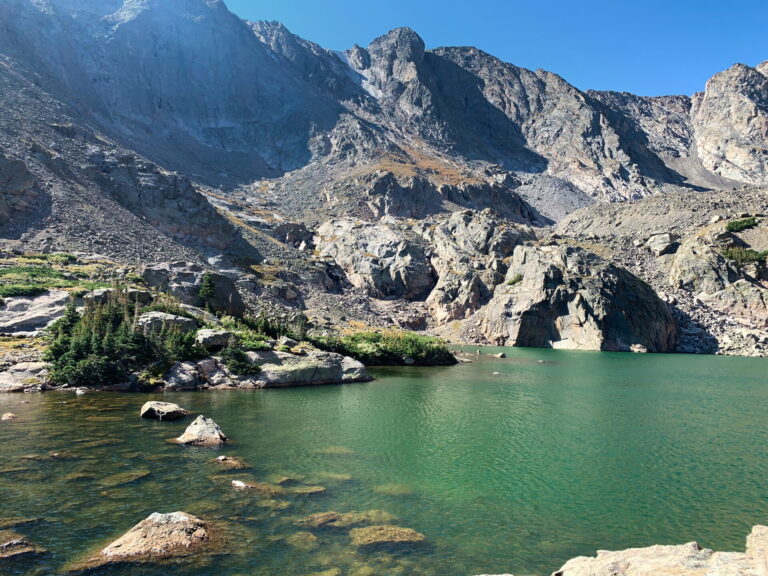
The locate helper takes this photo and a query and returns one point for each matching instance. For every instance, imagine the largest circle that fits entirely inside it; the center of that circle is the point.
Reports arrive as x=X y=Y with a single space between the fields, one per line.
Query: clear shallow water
x=515 y=472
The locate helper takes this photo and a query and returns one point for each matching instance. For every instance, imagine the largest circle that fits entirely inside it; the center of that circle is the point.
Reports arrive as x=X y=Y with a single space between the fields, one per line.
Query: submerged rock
x=231 y=463
x=267 y=490
x=202 y=432
x=346 y=520
x=386 y=535
x=157 y=537
x=124 y=478
x=163 y=411
x=14 y=545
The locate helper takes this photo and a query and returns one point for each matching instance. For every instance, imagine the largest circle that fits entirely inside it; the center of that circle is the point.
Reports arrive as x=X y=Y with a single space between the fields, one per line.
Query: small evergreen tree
x=207 y=289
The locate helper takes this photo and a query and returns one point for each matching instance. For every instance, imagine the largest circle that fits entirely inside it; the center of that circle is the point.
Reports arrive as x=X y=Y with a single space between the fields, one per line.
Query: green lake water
x=557 y=455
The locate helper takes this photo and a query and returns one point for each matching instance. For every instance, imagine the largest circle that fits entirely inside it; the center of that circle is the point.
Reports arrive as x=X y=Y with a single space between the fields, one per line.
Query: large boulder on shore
x=162 y=411
x=214 y=339
x=280 y=370
x=202 y=432
x=182 y=376
x=183 y=281
x=23 y=376
x=699 y=267
x=562 y=297
x=158 y=537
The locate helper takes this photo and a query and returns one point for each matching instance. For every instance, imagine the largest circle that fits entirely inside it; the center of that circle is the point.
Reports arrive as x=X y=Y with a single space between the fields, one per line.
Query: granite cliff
x=433 y=189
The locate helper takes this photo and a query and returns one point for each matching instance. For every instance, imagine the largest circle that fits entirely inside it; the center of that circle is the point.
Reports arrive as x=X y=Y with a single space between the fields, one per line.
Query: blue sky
x=648 y=47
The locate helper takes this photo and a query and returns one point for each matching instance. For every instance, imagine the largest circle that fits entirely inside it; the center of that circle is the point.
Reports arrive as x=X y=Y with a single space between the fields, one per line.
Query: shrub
x=390 y=348
x=741 y=225
x=742 y=256
x=236 y=361
x=176 y=346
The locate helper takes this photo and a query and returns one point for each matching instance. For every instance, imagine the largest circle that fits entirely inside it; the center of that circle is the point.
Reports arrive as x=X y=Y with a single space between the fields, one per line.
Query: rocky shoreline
x=683 y=560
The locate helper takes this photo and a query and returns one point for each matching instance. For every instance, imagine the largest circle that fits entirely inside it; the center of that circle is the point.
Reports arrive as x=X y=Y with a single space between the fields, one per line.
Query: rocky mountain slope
x=355 y=186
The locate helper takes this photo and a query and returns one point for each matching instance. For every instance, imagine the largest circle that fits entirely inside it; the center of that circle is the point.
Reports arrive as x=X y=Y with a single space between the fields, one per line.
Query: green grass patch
x=17 y=290
x=391 y=348
x=741 y=225
x=32 y=280
x=516 y=279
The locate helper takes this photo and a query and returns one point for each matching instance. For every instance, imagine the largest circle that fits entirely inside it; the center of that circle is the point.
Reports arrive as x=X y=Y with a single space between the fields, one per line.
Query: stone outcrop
x=700 y=268
x=469 y=251
x=381 y=258
x=281 y=370
x=202 y=432
x=184 y=279
x=684 y=560
x=730 y=121
x=155 y=322
x=214 y=339
x=162 y=411
x=29 y=315
x=23 y=377
x=744 y=300
x=568 y=298
x=182 y=376
x=16 y=188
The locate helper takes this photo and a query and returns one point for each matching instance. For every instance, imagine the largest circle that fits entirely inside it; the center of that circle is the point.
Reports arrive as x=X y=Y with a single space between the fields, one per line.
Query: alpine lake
x=506 y=466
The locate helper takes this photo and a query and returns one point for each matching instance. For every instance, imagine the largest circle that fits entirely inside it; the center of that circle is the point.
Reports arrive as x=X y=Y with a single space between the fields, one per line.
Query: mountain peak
x=405 y=42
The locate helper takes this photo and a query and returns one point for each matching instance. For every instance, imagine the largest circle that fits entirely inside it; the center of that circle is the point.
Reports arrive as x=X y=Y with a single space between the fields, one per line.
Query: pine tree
x=207 y=289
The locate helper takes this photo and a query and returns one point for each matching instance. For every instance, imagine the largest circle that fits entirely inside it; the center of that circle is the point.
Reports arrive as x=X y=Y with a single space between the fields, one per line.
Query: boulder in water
x=14 y=545
x=158 y=537
x=202 y=432
x=163 y=411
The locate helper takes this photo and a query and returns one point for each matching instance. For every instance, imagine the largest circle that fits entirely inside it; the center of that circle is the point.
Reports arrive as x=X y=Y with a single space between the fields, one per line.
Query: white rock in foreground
x=158 y=537
x=684 y=560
